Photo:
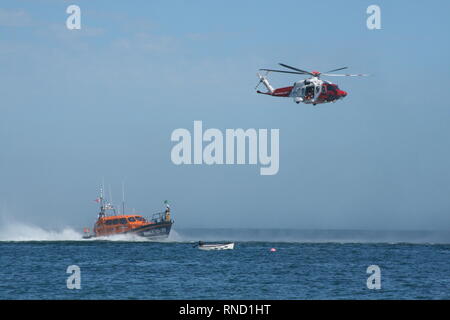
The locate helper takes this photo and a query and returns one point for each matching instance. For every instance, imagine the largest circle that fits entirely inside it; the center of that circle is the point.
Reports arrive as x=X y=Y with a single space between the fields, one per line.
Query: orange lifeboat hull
x=131 y=224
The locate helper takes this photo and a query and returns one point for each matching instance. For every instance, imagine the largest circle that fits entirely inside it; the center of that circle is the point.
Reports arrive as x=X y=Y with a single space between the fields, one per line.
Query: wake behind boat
x=215 y=246
x=158 y=227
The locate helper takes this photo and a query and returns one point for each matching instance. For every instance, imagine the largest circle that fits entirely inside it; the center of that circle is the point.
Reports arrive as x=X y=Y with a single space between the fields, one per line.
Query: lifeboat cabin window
x=116 y=221
x=131 y=219
x=109 y=222
x=123 y=221
x=139 y=218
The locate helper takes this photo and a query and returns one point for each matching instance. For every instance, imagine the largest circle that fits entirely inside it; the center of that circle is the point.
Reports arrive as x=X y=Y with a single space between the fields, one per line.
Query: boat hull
x=209 y=247
x=155 y=231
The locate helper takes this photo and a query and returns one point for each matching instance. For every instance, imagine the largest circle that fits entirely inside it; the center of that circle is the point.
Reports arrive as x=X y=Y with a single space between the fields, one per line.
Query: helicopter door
x=317 y=92
x=309 y=92
x=300 y=92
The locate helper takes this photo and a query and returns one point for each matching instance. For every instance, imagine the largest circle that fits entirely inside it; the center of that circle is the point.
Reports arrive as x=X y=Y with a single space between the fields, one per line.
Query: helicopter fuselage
x=309 y=91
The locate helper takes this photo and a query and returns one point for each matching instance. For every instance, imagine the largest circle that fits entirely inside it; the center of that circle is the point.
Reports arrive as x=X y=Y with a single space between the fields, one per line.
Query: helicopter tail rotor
x=263 y=80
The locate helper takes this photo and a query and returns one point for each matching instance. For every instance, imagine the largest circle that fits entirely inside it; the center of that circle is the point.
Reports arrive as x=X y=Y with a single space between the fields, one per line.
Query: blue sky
x=101 y=102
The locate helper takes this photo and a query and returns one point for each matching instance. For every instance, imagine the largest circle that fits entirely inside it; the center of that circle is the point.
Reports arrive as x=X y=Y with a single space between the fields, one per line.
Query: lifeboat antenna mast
x=123 y=197
x=102 y=206
x=110 y=205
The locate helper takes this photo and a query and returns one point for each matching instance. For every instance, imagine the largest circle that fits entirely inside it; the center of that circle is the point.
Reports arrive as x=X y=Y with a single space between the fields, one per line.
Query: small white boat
x=216 y=246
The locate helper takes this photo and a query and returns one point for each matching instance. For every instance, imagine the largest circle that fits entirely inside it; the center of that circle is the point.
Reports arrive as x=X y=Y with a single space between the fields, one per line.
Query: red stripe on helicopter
x=282 y=92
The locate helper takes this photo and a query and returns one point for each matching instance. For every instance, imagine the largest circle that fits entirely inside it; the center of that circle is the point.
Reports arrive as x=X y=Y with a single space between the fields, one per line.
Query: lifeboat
x=115 y=224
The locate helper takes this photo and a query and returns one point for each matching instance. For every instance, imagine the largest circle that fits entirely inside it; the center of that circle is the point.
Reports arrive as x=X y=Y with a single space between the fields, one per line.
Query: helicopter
x=309 y=91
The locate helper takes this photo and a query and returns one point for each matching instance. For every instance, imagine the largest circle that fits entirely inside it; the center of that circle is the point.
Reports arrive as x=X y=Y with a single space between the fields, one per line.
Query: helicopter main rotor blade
x=271 y=70
x=344 y=75
x=337 y=69
x=299 y=70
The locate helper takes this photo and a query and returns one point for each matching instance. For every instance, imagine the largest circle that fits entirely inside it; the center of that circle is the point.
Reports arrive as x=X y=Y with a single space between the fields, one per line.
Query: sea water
x=305 y=265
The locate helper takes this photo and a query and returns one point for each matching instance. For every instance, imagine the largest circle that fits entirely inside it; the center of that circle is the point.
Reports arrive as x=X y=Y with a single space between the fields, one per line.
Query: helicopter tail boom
x=280 y=92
